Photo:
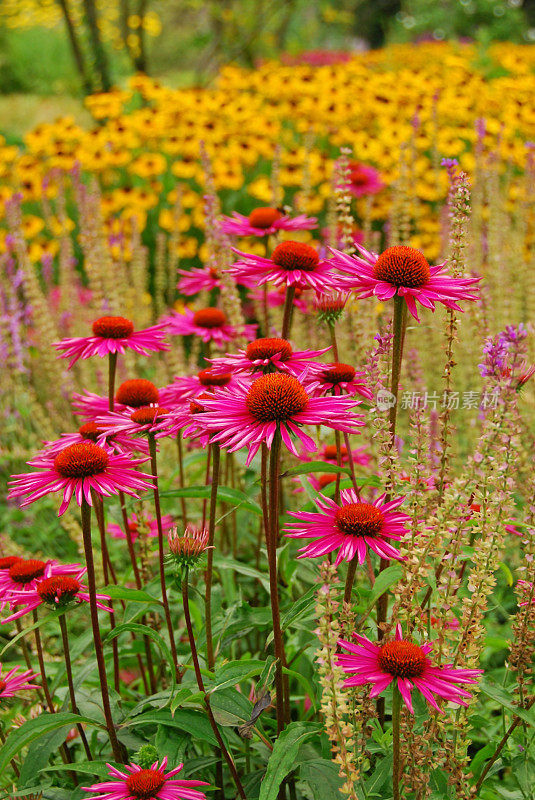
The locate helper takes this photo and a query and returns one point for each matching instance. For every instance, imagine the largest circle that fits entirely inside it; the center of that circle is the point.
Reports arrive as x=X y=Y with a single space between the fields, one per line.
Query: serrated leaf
x=283 y=756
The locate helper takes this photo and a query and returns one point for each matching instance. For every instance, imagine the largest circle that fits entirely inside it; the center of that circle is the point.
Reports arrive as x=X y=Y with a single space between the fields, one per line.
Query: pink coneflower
x=113 y=335
x=11 y=682
x=363 y=179
x=203 y=279
x=56 y=591
x=190 y=386
x=131 y=394
x=248 y=416
x=90 y=431
x=267 y=355
x=189 y=547
x=209 y=324
x=339 y=379
x=143 y=420
x=329 y=307
x=349 y=527
x=291 y=264
x=21 y=575
x=403 y=271
x=358 y=454
x=134 y=525
x=136 y=783
x=80 y=469
x=409 y=664
x=193 y=281
x=264 y=222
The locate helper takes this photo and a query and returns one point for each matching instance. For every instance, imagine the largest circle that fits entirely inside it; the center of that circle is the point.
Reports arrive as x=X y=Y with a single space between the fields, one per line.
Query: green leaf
x=323 y=778
x=225 y=494
x=300 y=609
x=305 y=683
x=190 y=720
x=503 y=698
x=507 y=572
x=384 y=581
x=381 y=774
x=145 y=630
x=98 y=768
x=230 y=708
x=34 y=728
x=242 y=569
x=234 y=672
x=132 y=595
x=314 y=466
x=282 y=759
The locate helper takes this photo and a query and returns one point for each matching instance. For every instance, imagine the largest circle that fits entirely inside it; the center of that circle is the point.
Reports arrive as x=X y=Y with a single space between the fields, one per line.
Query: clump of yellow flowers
x=400 y=110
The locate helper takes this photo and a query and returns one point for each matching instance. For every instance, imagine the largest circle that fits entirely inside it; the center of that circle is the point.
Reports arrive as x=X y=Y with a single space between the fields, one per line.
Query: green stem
x=112 y=368
x=399 y=324
x=70 y=682
x=119 y=753
x=161 y=553
x=200 y=684
x=181 y=477
x=216 y=460
x=288 y=309
x=272 y=534
x=350 y=577
x=396 y=715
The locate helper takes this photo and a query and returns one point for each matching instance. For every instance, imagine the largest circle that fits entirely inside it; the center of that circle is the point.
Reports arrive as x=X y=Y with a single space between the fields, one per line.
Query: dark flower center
x=113 y=327
x=196 y=407
x=264 y=217
x=23 y=571
x=137 y=392
x=8 y=561
x=147 y=415
x=58 y=590
x=338 y=373
x=207 y=378
x=295 y=256
x=330 y=452
x=145 y=784
x=261 y=349
x=276 y=397
x=90 y=430
x=402 y=659
x=325 y=480
x=209 y=318
x=81 y=460
x=402 y=266
x=359 y=519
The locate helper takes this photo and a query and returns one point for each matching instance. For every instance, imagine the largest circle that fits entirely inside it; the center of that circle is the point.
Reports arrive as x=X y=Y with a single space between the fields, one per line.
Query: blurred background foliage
x=68 y=47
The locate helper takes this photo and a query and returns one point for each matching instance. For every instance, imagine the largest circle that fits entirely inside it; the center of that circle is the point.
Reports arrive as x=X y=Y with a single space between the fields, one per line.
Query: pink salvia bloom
x=350 y=527
x=267 y=355
x=113 y=335
x=56 y=591
x=78 y=470
x=291 y=264
x=209 y=324
x=527 y=587
x=402 y=271
x=248 y=416
x=136 y=783
x=408 y=663
x=14 y=681
x=265 y=222
x=134 y=525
